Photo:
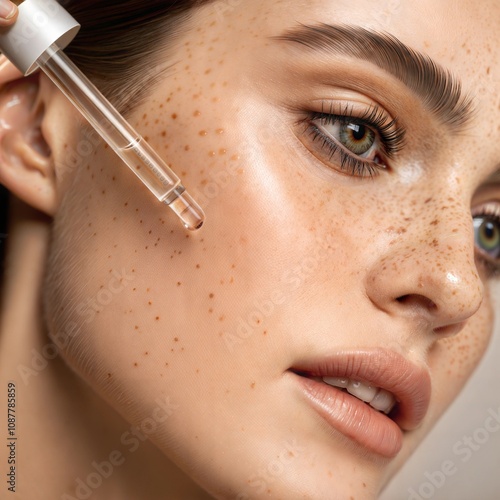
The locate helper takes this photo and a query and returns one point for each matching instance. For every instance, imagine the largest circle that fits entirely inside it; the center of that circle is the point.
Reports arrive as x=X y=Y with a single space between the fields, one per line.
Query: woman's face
x=338 y=172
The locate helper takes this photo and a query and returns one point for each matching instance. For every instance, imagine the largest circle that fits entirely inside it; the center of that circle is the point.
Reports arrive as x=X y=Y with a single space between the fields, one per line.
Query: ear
x=26 y=163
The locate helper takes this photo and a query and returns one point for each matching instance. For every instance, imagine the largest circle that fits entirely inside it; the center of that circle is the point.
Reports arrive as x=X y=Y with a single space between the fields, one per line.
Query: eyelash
x=390 y=135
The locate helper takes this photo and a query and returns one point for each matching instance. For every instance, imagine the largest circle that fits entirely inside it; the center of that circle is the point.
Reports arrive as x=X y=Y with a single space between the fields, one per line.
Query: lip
x=379 y=433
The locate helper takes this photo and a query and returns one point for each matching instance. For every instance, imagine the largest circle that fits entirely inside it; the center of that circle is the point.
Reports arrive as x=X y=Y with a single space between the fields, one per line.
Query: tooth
x=361 y=390
x=336 y=381
x=383 y=401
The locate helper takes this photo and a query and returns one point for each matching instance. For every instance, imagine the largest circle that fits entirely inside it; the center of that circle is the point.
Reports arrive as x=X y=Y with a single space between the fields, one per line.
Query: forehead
x=462 y=36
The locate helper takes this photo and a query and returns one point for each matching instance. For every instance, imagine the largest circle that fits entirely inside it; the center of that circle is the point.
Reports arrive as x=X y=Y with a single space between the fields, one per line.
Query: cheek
x=453 y=359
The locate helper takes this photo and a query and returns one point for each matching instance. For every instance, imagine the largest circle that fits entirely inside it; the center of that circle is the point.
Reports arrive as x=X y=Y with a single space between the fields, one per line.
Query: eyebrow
x=440 y=92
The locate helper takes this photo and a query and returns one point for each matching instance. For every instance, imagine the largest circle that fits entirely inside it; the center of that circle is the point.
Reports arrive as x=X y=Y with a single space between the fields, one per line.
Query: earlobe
x=26 y=163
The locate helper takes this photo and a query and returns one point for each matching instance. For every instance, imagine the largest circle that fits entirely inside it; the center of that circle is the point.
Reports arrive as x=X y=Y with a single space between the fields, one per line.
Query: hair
x=116 y=48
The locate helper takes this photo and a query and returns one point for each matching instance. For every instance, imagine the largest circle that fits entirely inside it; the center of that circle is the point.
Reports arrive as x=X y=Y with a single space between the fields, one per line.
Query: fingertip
x=8 y=12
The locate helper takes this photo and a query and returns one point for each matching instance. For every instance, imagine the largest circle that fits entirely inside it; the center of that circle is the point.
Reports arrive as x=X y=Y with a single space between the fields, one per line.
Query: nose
x=427 y=272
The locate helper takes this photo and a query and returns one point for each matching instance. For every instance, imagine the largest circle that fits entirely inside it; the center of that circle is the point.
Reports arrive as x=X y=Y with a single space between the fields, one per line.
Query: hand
x=8 y=13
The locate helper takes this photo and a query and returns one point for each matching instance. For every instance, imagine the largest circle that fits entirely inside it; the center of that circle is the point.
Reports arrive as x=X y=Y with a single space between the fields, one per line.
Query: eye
x=486 y=221
x=487 y=235
x=357 y=145
x=357 y=138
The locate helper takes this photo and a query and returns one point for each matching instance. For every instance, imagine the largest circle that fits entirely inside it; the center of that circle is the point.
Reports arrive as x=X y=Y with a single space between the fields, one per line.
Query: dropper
x=37 y=39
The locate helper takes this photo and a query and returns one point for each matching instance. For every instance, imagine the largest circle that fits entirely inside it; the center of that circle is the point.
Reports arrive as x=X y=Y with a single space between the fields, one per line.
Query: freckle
x=176 y=339
x=203 y=133
x=215 y=99
x=136 y=364
x=164 y=133
x=157 y=318
x=174 y=116
x=210 y=311
x=186 y=148
x=197 y=113
x=222 y=318
x=264 y=332
x=252 y=385
x=146 y=353
x=126 y=204
x=211 y=295
x=144 y=116
x=179 y=283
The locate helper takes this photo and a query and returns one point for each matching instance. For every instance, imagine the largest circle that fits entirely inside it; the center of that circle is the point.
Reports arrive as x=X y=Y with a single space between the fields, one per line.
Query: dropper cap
x=40 y=24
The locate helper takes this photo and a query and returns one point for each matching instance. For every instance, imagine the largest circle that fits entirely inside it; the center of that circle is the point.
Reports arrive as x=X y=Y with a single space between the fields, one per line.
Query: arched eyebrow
x=440 y=92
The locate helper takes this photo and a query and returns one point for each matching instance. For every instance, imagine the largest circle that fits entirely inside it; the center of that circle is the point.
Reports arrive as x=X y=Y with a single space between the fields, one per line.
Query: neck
x=69 y=442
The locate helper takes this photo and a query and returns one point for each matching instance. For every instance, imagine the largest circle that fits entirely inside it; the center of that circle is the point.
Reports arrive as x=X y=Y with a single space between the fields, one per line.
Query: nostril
x=415 y=300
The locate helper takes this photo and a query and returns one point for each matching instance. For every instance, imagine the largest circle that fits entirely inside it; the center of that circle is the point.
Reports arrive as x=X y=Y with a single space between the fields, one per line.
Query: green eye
x=487 y=235
x=356 y=138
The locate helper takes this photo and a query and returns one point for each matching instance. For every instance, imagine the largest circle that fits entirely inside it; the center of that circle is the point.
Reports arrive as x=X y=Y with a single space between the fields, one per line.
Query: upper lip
x=386 y=369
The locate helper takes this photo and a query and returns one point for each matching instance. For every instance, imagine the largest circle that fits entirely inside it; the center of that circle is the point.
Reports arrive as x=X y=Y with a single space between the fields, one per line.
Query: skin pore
x=194 y=337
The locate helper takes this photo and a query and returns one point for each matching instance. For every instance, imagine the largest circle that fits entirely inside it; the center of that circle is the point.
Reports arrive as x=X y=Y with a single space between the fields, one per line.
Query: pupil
x=489 y=230
x=358 y=132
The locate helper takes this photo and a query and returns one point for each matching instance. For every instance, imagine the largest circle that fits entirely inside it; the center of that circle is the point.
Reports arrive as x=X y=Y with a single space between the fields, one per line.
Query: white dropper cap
x=40 y=24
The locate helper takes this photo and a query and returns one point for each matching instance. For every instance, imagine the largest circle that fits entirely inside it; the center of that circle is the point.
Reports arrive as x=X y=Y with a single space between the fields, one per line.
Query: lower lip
x=355 y=419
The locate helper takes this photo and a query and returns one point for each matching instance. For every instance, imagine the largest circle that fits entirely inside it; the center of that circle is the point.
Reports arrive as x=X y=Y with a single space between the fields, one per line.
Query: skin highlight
x=298 y=259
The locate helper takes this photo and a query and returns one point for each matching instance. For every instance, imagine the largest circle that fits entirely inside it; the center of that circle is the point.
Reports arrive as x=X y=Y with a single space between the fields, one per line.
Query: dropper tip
x=190 y=213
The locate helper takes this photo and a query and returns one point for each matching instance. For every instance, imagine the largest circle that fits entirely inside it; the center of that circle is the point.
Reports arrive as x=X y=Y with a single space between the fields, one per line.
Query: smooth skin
x=191 y=337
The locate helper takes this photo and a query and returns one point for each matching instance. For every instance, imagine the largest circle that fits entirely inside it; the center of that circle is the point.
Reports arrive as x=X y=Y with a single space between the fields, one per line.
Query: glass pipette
x=52 y=28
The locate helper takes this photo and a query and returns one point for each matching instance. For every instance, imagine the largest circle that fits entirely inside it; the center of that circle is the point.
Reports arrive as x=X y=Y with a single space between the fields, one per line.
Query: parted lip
x=383 y=368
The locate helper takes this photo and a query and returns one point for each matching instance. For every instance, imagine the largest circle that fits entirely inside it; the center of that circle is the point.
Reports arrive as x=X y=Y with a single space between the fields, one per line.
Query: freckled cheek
x=457 y=356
